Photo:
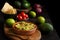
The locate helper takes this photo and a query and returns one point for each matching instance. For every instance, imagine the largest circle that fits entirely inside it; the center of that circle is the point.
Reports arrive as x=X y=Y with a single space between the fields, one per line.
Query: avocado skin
x=46 y=27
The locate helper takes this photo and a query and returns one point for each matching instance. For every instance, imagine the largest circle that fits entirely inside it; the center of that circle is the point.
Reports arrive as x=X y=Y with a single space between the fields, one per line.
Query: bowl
x=24 y=32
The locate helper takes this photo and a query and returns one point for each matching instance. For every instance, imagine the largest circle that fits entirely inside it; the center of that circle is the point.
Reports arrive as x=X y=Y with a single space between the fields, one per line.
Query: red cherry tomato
x=19 y=17
x=23 y=14
x=26 y=16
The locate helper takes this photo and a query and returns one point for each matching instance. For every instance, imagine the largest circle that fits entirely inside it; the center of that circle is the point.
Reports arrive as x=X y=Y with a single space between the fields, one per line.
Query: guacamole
x=25 y=25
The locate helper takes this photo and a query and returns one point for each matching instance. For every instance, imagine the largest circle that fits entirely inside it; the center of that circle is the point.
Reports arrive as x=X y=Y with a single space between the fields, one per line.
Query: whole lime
x=10 y=21
x=26 y=4
x=47 y=27
x=32 y=14
x=41 y=19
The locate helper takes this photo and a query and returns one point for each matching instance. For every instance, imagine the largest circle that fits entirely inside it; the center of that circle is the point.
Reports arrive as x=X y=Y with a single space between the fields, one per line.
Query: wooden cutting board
x=9 y=33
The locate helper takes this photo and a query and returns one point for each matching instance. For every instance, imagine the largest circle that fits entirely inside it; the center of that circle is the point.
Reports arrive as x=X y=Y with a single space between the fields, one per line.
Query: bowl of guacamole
x=25 y=28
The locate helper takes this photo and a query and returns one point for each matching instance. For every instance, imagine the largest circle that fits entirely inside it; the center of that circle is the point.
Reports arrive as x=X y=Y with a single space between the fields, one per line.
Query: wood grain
x=9 y=33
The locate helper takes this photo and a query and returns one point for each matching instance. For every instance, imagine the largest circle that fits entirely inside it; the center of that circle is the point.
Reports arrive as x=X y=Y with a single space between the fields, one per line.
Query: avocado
x=17 y=4
x=46 y=27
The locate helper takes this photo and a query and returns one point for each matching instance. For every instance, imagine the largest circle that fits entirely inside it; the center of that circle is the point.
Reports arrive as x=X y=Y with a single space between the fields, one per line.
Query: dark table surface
x=50 y=36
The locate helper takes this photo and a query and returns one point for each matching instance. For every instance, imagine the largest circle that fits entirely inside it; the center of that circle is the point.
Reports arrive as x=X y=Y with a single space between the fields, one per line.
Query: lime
x=41 y=19
x=10 y=21
x=26 y=4
x=32 y=14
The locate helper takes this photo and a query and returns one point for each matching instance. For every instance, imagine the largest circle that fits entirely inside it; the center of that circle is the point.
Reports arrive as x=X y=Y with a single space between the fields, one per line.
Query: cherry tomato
x=20 y=18
x=26 y=16
x=19 y=14
x=23 y=14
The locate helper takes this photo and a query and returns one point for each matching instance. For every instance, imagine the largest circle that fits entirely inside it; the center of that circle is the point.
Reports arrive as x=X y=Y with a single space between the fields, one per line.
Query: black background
x=51 y=7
